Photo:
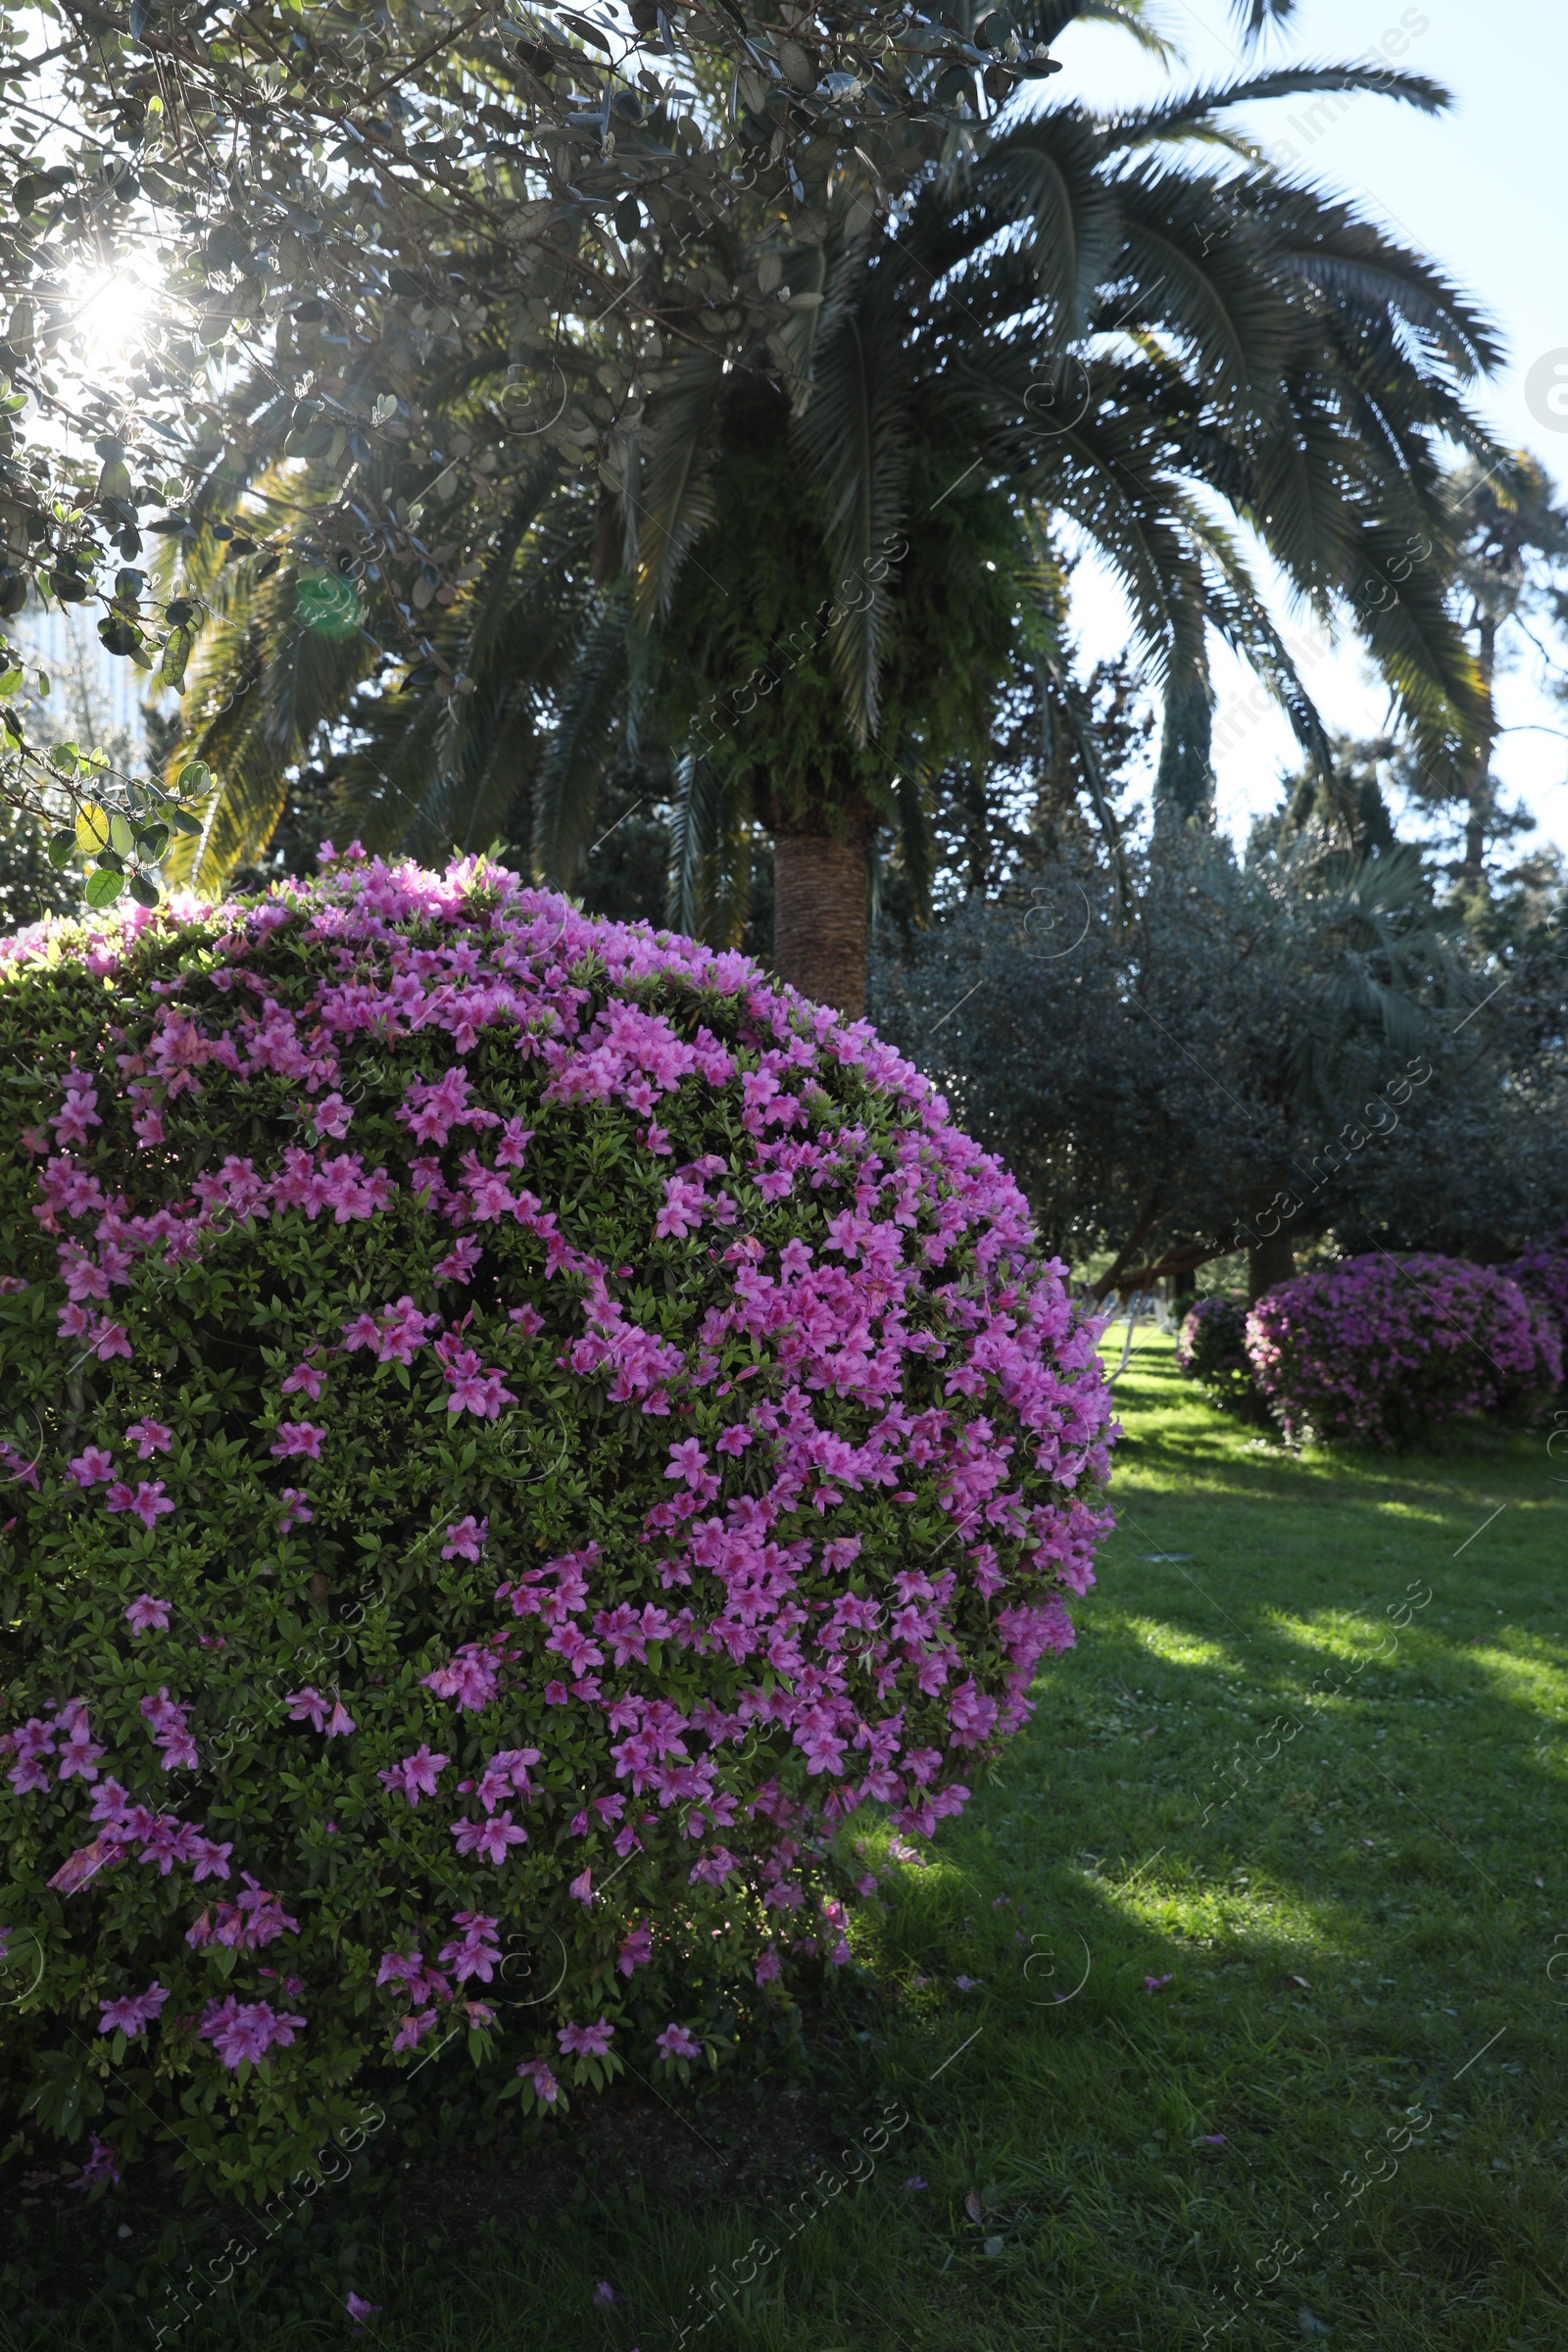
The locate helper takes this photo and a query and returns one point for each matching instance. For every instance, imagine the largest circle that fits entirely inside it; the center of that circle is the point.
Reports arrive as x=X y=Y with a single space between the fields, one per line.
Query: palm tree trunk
x=819 y=932
x=1478 y=788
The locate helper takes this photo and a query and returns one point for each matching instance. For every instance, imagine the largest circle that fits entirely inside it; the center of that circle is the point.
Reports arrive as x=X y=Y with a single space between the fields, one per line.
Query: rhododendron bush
x=1212 y=1348
x=516 y=1430
x=1381 y=1350
x=1542 y=1273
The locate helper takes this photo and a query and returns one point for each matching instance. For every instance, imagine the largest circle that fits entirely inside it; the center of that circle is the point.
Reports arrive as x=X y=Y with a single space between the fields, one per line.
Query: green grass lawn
x=1229 y=2005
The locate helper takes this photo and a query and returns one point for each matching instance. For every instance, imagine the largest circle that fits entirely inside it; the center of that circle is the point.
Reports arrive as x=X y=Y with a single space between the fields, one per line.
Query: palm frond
x=677 y=461
x=1192 y=114
x=855 y=436
x=587 y=721
x=711 y=851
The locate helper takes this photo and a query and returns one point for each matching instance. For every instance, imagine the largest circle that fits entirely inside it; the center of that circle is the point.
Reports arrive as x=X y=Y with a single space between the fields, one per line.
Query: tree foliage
x=1303 y=1045
x=1118 y=325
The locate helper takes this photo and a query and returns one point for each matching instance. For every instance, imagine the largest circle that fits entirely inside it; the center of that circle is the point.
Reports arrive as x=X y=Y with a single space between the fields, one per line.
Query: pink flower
x=145 y=1615
x=677 y=2043
x=149 y=1504
x=412 y=2028
x=417 y=1775
x=92 y=1465
x=296 y=1511
x=99 y=2166
x=340 y=1723
x=166 y=1720
x=479 y=1952
x=149 y=1437
x=586 y=2041
x=687 y=1461
x=491 y=1837
x=1156 y=1984
x=464 y=1537
x=581 y=1889
x=479 y=1392
x=298 y=1438
x=768 y=1967
x=304 y=1380
x=507 y=1773
x=458 y=1262
x=246 y=2030
x=358 y=2310
x=636 y=1951
x=306 y=1706
x=132 y=2013
x=545 y=2089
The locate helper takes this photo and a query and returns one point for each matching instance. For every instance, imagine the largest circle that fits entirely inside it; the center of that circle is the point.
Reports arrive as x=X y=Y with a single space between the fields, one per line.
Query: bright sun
x=110 y=314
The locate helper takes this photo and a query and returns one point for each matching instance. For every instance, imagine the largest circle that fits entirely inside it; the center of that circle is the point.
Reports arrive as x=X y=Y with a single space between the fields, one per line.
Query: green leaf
x=104 y=887
x=62 y=848
x=151 y=842
x=144 y=890
x=193 y=779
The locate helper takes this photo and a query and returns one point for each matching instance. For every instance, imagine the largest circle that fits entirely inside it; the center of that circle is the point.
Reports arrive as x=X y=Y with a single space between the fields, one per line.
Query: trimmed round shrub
x=1211 y=1348
x=1382 y=1350
x=516 y=1430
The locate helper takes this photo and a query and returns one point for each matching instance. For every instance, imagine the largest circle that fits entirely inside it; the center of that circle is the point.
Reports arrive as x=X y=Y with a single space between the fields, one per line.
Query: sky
x=1478 y=189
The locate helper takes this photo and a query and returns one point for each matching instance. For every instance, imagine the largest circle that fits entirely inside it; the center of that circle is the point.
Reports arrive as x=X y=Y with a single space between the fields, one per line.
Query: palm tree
x=1512 y=539
x=1075 y=325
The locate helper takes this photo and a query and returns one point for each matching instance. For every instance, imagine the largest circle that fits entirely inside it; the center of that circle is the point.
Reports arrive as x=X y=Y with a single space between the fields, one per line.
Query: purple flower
x=298 y=1438
x=465 y=1537
x=147 y=1502
x=145 y=1615
x=1157 y=1984
x=132 y=2013
x=240 y=2031
x=677 y=2043
x=545 y=2089
x=99 y=2166
x=585 y=2041
x=358 y=2310
x=306 y=1706
x=417 y=1775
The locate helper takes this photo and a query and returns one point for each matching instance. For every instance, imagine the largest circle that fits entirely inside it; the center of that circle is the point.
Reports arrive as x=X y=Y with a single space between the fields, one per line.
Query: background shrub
x=1211 y=1348
x=1380 y=1351
x=516 y=1429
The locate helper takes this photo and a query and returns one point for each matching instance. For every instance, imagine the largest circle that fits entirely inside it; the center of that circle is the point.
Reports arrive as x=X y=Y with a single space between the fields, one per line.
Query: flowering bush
x=1212 y=1348
x=1542 y=1273
x=515 y=1429
x=1379 y=1351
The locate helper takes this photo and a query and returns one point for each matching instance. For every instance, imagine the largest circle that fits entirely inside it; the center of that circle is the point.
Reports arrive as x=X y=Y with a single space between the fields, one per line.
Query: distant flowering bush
x=516 y=1428
x=1211 y=1348
x=1542 y=1273
x=1380 y=1351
